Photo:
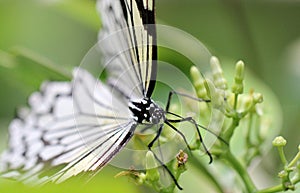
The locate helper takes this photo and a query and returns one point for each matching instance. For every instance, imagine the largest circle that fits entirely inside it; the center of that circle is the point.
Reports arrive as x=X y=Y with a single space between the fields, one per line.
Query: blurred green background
x=58 y=33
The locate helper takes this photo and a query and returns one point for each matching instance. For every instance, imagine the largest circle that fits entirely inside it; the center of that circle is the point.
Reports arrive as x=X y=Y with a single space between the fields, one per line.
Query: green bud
x=299 y=147
x=152 y=172
x=217 y=96
x=279 y=141
x=198 y=82
x=219 y=80
x=238 y=86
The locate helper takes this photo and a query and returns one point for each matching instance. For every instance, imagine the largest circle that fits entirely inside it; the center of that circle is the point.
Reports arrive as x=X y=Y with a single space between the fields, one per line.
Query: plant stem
x=295 y=160
x=235 y=101
x=229 y=132
x=240 y=169
x=282 y=156
x=278 y=188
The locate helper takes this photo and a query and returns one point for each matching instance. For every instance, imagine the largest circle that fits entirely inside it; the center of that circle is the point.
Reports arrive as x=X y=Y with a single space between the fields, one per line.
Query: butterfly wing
x=78 y=125
x=81 y=125
x=128 y=41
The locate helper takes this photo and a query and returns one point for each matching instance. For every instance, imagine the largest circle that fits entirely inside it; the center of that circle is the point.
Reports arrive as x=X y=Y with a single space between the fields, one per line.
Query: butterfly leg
x=191 y=120
x=150 y=145
x=179 y=132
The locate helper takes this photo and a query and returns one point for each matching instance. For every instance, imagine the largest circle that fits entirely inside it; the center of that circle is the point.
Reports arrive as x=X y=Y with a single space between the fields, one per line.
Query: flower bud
x=219 y=80
x=217 y=96
x=238 y=85
x=198 y=82
x=279 y=142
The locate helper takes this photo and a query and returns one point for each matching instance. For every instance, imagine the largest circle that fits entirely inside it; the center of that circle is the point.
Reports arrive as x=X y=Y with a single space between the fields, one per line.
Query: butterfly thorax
x=147 y=111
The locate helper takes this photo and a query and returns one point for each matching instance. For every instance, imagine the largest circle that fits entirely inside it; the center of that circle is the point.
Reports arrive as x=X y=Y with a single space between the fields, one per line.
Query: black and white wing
x=78 y=125
x=128 y=41
x=81 y=125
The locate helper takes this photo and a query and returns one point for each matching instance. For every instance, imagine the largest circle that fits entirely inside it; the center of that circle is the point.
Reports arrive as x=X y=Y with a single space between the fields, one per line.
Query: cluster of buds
x=289 y=168
x=234 y=103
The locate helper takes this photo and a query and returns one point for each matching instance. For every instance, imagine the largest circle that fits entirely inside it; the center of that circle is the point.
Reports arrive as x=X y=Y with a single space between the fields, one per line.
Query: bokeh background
x=37 y=37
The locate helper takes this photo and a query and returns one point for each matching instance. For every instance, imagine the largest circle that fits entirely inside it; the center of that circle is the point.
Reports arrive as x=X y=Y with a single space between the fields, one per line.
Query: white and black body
x=84 y=123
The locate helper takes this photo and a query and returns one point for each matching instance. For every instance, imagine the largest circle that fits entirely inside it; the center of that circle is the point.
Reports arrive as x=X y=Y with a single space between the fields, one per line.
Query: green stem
x=282 y=156
x=235 y=101
x=295 y=160
x=278 y=188
x=240 y=169
x=229 y=132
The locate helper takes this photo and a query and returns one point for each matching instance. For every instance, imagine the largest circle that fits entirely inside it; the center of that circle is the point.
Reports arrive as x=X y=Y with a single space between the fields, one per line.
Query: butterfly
x=81 y=125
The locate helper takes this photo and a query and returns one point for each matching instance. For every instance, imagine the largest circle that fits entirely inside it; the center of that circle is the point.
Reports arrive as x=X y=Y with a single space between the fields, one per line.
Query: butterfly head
x=157 y=114
x=147 y=111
